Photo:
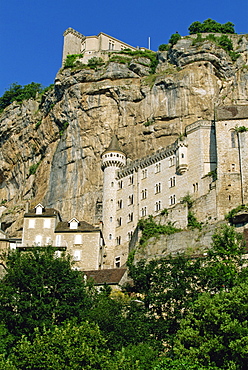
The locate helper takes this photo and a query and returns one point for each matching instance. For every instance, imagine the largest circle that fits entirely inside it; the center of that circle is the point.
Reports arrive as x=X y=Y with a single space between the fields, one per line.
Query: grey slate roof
x=83 y=226
x=47 y=212
x=114 y=146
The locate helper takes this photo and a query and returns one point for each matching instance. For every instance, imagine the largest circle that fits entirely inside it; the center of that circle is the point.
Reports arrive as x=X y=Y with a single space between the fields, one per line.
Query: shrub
x=33 y=168
x=209 y=25
x=71 y=59
x=95 y=62
x=19 y=93
x=192 y=221
x=174 y=38
x=150 y=228
x=163 y=47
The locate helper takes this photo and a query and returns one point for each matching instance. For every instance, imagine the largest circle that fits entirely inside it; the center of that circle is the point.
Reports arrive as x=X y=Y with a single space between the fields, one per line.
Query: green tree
x=174 y=38
x=222 y=266
x=163 y=47
x=64 y=347
x=40 y=290
x=215 y=331
x=19 y=93
x=210 y=25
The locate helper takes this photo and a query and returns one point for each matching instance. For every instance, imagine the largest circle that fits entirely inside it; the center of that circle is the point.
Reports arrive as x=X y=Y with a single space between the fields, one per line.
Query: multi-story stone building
x=91 y=46
x=209 y=163
x=44 y=226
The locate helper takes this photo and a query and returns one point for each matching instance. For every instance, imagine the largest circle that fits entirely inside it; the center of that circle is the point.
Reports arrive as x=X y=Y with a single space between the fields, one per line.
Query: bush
x=209 y=25
x=71 y=59
x=150 y=228
x=95 y=62
x=19 y=93
x=163 y=47
x=33 y=168
x=174 y=38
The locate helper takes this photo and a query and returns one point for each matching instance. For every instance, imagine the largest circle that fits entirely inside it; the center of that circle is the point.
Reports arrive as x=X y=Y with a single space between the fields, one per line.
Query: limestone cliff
x=51 y=147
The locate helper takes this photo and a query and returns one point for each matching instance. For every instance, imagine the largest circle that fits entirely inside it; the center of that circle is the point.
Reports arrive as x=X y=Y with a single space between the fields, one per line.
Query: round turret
x=113 y=155
x=113 y=159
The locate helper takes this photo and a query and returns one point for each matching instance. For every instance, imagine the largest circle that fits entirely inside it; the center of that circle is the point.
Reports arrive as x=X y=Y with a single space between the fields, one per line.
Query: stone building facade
x=44 y=226
x=91 y=46
x=209 y=163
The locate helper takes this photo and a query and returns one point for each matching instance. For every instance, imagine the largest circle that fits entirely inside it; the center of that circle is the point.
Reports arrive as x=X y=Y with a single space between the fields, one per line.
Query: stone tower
x=113 y=159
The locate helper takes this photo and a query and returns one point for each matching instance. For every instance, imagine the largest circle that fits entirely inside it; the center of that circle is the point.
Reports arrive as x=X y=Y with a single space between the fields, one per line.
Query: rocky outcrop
x=51 y=147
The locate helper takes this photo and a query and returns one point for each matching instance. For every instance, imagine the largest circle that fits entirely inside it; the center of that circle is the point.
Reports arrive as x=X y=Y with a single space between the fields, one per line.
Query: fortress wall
x=72 y=45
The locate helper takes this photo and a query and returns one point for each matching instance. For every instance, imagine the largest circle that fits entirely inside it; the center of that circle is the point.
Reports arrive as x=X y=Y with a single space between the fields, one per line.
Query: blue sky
x=31 y=31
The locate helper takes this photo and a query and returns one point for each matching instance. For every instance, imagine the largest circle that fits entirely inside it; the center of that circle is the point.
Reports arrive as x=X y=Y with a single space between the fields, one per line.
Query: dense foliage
x=211 y=26
x=19 y=93
x=181 y=313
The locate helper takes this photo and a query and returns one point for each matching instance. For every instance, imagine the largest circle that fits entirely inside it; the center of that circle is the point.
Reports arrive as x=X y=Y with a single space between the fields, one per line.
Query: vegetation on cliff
x=181 y=313
x=19 y=93
x=211 y=26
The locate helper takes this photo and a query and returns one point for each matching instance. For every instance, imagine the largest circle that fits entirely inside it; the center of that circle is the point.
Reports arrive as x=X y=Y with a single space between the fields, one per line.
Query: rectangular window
x=38 y=239
x=172 y=182
x=47 y=223
x=129 y=235
x=78 y=239
x=117 y=262
x=130 y=217
x=158 y=206
x=158 y=188
x=77 y=255
x=31 y=224
x=58 y=240
x=172 y=200
x=144 y=194
x=144 y=174
x=118 y=240
x=143 y=211
x=130 y=199
x=158 y=167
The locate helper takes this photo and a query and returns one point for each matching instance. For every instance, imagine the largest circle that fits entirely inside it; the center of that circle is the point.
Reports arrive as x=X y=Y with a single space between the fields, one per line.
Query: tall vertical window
x=117 y=262
x=144 y=174
x=118 y=240
x=130 y=217
x=233 y=139
x=143 y=211
x=130 y=199
x=158 y=188
x=157 y=167
x=158 y=206
x=172 y=200
x=144 y=194
x=172 y=182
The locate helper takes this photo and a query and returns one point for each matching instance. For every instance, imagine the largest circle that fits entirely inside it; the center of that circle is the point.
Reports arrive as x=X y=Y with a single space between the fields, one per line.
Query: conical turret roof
x=114 y=146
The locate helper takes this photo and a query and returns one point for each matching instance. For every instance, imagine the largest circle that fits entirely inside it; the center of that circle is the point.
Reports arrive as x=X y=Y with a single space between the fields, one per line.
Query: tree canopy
x=40 y=290
x=210 y=25
x=19 y=93
x=181 y=312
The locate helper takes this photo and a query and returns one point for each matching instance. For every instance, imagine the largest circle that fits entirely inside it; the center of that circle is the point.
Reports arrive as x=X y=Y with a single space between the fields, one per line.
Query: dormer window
x=39 y=209
x=73 y=224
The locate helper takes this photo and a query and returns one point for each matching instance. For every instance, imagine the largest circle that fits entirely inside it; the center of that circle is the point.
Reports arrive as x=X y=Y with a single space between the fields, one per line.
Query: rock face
x=51 y=148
